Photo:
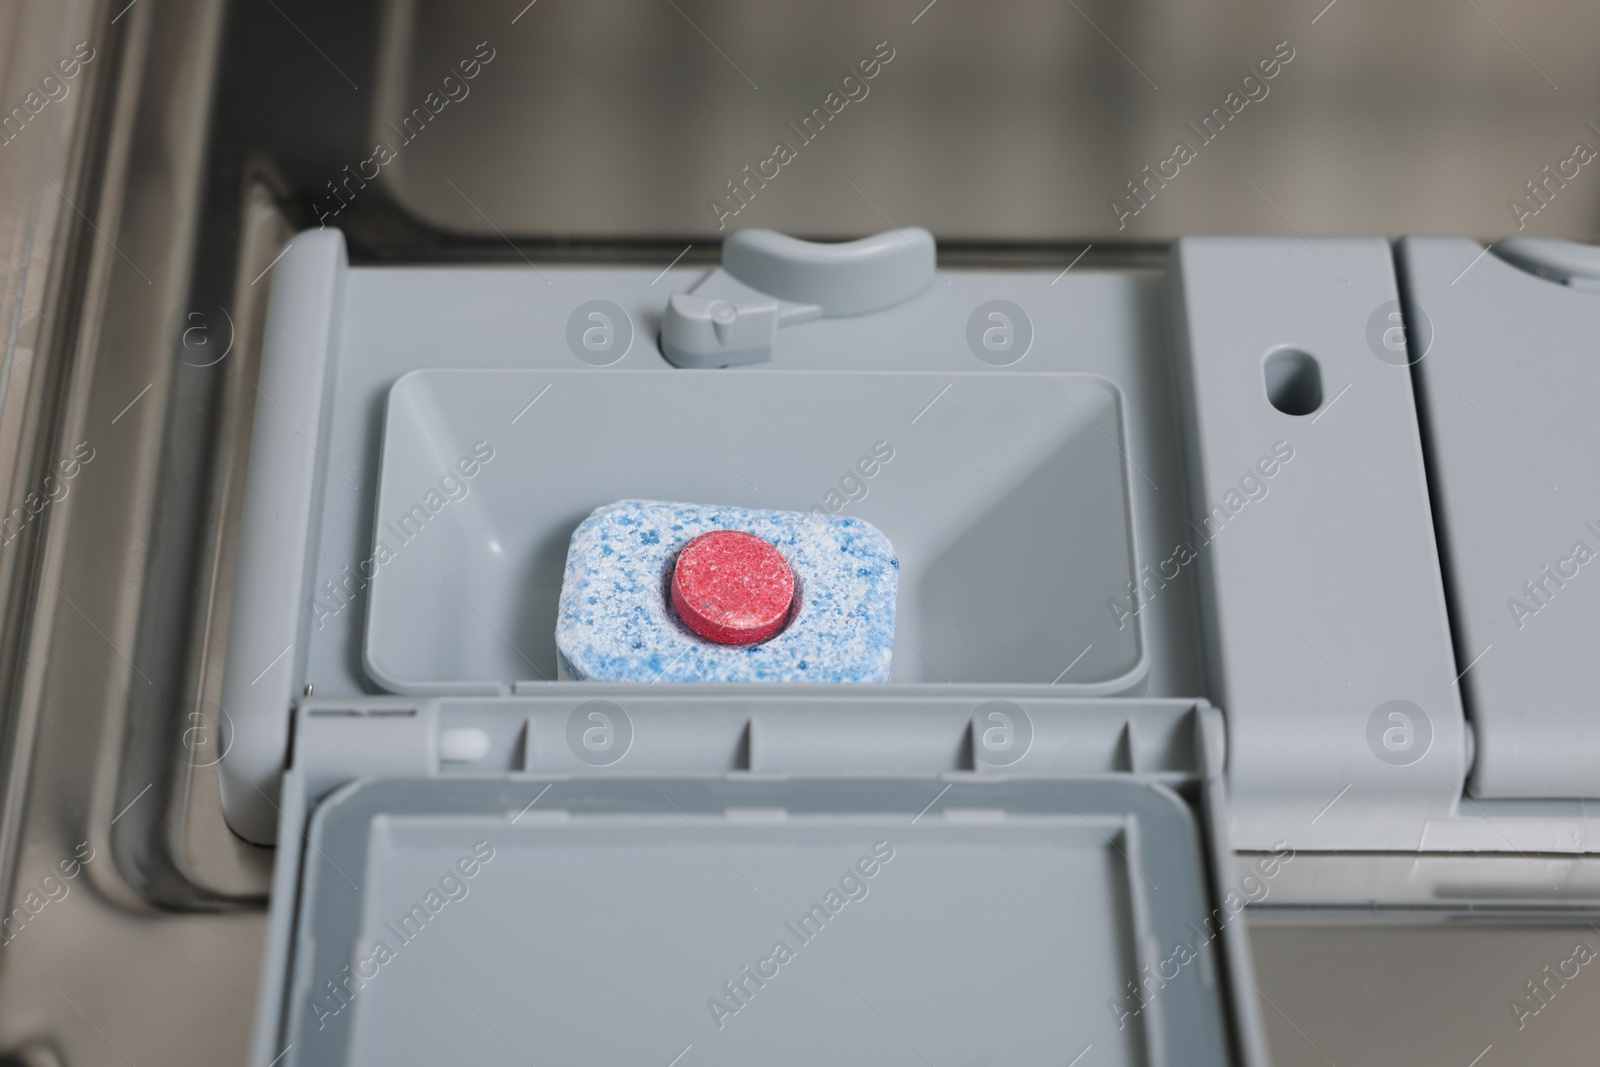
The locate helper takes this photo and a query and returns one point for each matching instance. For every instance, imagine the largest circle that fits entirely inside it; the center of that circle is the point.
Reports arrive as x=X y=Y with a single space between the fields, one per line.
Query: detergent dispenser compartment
x=1005 y=497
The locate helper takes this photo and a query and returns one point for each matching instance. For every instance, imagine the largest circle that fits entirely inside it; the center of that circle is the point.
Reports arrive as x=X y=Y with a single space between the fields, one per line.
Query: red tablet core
x=732 y=587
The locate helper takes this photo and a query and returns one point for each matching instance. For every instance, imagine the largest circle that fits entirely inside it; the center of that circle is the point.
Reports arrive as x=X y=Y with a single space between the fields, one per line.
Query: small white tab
x=463 y=744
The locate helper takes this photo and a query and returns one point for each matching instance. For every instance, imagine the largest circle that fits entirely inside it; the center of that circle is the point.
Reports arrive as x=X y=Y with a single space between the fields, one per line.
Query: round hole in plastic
x=1294 y=381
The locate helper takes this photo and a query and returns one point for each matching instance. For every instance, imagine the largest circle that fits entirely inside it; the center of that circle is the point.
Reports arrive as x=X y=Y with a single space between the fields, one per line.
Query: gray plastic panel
x=1509 y=391
x=390 y=321
x=1010 y=514
x=612 y=913
x=1321 y=583
x=268 y=635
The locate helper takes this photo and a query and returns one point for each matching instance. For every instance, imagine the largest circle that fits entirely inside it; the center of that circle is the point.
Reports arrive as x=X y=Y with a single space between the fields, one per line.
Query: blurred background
x=160 y=179
x=1009 y=122
x=1016 y=123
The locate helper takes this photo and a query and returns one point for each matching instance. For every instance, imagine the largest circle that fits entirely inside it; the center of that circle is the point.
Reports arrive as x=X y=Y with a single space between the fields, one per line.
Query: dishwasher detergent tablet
x=658 y=591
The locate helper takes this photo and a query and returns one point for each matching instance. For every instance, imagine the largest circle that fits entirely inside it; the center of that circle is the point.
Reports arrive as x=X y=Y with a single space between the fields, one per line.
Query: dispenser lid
x=731 y=920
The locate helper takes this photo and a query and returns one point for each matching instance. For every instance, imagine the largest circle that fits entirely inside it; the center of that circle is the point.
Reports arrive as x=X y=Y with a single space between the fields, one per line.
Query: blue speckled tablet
x=615 y=623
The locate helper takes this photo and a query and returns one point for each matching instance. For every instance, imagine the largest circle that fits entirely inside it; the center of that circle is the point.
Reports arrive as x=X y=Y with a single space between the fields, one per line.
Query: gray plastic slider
x=768 y=280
